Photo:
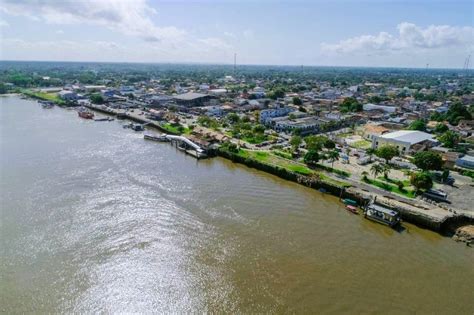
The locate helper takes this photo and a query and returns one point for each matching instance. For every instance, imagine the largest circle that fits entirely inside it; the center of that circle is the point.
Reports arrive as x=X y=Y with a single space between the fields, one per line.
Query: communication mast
x=466 y=63
x=235 y=62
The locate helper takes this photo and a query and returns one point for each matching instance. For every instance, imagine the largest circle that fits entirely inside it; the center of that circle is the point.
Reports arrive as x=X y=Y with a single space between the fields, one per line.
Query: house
x=370 y=131
x=405 y=140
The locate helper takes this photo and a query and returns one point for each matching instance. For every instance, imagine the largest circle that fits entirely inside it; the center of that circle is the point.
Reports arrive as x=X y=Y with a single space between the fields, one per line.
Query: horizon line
x=231 y=64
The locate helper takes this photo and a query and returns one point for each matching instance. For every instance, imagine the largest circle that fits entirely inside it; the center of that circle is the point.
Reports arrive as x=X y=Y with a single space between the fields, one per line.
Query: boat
x=348 y=201
x=104 y=119
x=382 y=215
x=85 y=114
x=352 y=209
x=159 y=138
x=46 y=104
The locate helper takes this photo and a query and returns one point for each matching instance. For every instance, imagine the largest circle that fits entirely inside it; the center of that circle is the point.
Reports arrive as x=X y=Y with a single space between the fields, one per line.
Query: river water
x=94 y=218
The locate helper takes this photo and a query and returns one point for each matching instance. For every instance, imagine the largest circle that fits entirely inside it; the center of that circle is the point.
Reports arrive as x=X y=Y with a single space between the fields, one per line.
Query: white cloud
x=4 y=24
x=130 y=17
x=59 y=32
x=410 y=38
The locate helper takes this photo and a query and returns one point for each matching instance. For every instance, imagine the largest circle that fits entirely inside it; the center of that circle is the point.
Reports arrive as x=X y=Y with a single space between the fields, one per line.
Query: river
x=96 y=219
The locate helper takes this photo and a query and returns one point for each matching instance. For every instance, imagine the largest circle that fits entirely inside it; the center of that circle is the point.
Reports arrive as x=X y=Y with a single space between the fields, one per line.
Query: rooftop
x=410 y=136
x=189 y=96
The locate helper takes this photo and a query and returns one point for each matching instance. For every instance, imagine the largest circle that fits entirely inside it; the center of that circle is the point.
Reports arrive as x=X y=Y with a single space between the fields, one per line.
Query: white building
x=404 y=140
x=68 y=95
x=387 y=109
x=266 y=114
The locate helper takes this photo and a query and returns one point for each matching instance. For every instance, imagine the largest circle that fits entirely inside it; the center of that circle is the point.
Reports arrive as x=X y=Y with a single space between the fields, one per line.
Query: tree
x=329 y=144
x=445 y=175
x=449 y=139
x=311 y=157
x=437 y=116
x=96 y=98
x=370 y=152
x=386 y=168
x=376 y=169
x=441 y=128
x=418 y=124
x=364 y=175
x=297 y=101
x=421 y=181
x=316 y=142
x=350 y=104
x=387 y=152
x=233 y=118
x=427 y=160
x=333 y=156
x=295 y=142
x=456 y=112
x=259 y=128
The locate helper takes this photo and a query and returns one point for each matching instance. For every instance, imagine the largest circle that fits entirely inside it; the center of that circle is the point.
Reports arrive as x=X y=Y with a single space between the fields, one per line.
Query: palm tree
x=376 y=169
x=386 y=168
x=364 y=175
x=333 y=156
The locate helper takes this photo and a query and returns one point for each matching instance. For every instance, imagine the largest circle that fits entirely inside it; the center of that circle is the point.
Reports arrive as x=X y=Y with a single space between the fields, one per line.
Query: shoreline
x=433 y=218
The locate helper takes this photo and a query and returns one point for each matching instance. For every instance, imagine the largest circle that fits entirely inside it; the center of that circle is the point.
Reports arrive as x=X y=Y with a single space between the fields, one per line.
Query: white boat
x=382 y=215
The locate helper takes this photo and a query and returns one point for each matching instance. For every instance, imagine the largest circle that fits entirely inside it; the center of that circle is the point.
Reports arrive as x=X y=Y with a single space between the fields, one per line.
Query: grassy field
x=175 y=129
x=53 y=97
x=388 y=185
x=361 y=144
x=267 y=157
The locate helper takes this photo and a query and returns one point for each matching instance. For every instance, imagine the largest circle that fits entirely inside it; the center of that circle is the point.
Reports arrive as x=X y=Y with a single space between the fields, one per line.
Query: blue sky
x=340 y=33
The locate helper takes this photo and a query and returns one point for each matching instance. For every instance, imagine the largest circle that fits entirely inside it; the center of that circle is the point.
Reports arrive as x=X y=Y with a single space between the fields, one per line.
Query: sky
x=373 y=33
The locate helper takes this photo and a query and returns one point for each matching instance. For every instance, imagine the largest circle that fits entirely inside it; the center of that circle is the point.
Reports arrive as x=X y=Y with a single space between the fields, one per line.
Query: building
x=191 y=99
x=267 y=114
x=68 y=95
x=405 y=140
x=466 y=161
x=305 y=125
x=384 y=108
x=370 y=131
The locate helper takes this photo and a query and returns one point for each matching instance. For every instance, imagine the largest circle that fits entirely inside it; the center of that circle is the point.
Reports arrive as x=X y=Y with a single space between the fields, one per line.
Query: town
x=405 y=136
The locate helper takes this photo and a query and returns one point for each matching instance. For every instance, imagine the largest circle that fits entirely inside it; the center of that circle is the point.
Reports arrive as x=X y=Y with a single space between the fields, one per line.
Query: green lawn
x=361 y=144
x=175 y=129
x=53 y=97
x=267 y=157
x=406 y=192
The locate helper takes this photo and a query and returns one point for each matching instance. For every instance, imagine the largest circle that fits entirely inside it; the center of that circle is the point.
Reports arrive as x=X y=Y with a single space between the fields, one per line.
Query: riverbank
x=413 y=211
x=430 y=216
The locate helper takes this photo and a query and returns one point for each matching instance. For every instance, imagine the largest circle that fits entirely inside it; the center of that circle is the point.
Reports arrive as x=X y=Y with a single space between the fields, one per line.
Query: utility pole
x=235 y=62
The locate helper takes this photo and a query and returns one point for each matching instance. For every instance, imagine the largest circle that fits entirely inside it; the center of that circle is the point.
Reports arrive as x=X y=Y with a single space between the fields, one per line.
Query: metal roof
x=190 y=96
x=410 y=136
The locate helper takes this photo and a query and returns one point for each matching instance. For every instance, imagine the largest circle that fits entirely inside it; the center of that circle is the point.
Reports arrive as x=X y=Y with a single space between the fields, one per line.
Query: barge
x=382 y=215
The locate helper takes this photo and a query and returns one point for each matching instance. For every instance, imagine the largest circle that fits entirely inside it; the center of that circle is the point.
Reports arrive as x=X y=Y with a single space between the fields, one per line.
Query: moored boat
x=352 y=209
x=85 y=114
x=351 y=202
x=382 y=215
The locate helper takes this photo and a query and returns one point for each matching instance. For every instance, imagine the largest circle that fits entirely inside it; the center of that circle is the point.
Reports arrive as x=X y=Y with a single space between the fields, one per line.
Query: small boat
x=85 y=114
x=351 y=202
x=104 y=119
x=159 y=138
x=352 y=209
x=382 y=215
